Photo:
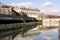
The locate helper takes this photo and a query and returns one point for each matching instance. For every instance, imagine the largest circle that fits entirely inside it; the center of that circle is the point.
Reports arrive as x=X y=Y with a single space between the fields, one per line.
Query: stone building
x=30 y=12
x=5 y=10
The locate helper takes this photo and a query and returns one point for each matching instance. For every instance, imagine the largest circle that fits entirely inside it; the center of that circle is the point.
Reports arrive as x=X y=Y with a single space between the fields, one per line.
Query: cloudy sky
x=46 y=6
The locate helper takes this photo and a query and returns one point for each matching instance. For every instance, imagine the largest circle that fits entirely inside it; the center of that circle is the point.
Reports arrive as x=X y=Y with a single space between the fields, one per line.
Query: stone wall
x=47 y=22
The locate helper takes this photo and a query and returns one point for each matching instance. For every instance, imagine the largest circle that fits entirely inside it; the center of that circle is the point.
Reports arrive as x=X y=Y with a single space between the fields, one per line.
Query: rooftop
x=32 y=9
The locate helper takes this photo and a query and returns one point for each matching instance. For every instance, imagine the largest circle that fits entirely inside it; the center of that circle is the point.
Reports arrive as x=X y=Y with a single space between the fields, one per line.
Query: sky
x=46 y=6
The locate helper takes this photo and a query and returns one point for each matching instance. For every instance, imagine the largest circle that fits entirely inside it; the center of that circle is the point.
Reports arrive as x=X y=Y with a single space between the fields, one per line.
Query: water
x=43 y=35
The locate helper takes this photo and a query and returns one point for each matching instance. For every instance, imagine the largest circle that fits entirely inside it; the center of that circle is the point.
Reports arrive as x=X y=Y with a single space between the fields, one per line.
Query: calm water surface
x=43 y=35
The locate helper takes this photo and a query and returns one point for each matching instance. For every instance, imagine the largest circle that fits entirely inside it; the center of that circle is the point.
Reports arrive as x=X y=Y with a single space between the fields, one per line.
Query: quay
x=13 y=23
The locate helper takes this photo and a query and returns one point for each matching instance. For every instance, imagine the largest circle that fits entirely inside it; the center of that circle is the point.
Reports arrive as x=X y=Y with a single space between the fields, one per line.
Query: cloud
x=55 y=11
x=22 y=4
x=52 y=11
x=47 y=4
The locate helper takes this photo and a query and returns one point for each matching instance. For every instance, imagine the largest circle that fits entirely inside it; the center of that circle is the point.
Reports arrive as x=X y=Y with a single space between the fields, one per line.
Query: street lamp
x=42 y=19
x=50 y=20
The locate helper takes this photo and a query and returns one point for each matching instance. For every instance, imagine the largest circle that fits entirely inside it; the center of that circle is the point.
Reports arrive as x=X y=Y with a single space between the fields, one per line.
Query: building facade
x=30 y=12
x=6 y=10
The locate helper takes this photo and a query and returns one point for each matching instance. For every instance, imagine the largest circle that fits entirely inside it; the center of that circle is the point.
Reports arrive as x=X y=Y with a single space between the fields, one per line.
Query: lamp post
x=50 y=20
x=42 y=19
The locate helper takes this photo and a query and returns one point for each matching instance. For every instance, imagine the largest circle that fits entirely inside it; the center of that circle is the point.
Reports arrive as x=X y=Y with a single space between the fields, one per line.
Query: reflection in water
x=31 y=37
x=48 y=37
x=44 y=35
